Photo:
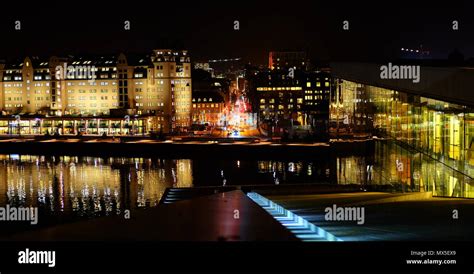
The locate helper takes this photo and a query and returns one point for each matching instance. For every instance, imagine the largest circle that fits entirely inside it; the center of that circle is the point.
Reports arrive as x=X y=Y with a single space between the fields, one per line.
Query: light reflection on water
x=405 y=169
x=89 y=186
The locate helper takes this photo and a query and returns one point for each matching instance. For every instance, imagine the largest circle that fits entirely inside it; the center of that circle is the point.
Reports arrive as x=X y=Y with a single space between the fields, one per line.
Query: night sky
x=377 y=30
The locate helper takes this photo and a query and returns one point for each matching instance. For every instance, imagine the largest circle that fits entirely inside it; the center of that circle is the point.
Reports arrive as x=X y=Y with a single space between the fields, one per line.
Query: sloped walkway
x=228 y=216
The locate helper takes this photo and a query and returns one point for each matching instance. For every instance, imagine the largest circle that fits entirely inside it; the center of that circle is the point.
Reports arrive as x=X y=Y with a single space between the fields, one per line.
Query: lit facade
x=154 y=87
x=440 y=133
x=208 y=108
x=301 y=100
x=317 y=88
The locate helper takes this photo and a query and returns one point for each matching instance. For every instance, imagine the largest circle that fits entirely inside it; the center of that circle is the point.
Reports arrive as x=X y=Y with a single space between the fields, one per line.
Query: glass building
x=429 y=144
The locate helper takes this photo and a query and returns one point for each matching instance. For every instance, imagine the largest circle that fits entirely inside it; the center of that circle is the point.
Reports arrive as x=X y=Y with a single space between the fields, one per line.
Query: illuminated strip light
x=224 y=60
x=299 y=226
x=277 y=88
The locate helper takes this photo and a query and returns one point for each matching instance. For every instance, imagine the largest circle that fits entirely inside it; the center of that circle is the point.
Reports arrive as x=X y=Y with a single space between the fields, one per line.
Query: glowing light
x=299 y=226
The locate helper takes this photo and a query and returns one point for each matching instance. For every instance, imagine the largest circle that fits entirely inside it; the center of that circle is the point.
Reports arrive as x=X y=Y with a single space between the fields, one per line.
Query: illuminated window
x=308 y=84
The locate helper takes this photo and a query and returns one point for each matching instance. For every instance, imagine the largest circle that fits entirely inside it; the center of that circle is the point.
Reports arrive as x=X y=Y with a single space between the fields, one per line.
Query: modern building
x=276 y=96
x=434 y=118
x=299 y=101
x=317 y=87
x=153 y=90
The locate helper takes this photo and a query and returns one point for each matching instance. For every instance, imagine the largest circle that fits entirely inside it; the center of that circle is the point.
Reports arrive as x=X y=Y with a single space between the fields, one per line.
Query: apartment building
x=154 y=86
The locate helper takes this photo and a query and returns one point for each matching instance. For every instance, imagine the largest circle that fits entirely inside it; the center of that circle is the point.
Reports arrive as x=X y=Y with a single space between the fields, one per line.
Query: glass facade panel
x=441 y=133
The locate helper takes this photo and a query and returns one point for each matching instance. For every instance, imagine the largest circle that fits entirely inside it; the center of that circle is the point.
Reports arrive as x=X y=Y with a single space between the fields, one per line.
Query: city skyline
x=132 y=128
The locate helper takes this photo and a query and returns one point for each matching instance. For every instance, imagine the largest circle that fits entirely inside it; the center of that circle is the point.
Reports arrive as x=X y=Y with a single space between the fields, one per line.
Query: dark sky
x=377 y=28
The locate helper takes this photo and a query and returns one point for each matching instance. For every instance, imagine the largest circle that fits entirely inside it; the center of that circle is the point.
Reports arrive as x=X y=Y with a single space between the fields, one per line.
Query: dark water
x=86 y=186
x=91 y=186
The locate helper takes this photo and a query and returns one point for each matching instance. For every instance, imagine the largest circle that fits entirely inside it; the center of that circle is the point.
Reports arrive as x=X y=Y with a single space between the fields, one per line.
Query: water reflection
x=90 y=186
x=406 y=169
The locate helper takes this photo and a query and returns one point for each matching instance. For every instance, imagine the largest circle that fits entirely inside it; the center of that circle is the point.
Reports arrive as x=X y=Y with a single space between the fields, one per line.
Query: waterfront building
x=133 y=93
x=291 y=102
x=434 y=119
